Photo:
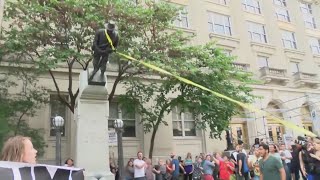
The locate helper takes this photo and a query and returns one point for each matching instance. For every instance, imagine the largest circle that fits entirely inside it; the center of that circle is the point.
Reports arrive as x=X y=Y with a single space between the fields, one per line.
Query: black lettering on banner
x=77 y=175
x=62 y=174
x=41 y=173
x=25 y=173
x=6 y=174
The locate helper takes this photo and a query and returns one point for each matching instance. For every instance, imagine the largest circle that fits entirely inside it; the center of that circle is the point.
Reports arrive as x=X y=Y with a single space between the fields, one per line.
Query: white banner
x=23 y=171
x=315 y=122
x=288 y=139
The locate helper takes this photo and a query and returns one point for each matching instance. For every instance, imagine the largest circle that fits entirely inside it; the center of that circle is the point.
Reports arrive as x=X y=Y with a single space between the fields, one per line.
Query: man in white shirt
x=139 y=167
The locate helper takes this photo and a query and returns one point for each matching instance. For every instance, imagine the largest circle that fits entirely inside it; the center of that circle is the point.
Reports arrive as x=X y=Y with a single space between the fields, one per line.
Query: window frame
x=312 y=46
x=266 y=59
x=293 y=41
x=246 y=6
x=286 y=17
x=282 y=3
x=296 y=66
x=182 y=14
x=182 y=120
x=120 y=115
x=263 y=36
x=212 y=24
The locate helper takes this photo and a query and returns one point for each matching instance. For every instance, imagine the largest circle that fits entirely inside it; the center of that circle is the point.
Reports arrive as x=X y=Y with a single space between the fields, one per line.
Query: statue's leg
x=103 y=66
x=95 y=62
x=96 y=59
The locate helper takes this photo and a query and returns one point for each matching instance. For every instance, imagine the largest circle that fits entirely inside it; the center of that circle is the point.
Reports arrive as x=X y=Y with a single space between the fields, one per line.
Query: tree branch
x=64 y=101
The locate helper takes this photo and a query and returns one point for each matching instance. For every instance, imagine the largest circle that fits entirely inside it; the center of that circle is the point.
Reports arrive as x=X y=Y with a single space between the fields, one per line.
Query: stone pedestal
x=92 y=149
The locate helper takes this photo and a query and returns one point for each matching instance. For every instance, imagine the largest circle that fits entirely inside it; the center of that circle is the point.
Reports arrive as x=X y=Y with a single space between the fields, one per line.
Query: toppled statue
x=102 y=49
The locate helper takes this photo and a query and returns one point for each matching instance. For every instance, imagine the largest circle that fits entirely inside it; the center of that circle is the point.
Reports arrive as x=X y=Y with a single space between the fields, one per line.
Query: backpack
x=245 y=166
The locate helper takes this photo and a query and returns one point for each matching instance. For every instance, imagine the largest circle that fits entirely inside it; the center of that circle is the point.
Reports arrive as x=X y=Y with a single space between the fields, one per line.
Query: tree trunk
x=153 y=136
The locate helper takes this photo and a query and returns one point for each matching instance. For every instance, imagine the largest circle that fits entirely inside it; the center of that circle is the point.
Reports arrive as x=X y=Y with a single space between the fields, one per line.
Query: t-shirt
x=176 y=163
x=255 y=161
x=241 y=156
x=270 y=168
x=208 y=167
x=188 y=166
x=138 y=172
x=286 y=154
x=225 y=171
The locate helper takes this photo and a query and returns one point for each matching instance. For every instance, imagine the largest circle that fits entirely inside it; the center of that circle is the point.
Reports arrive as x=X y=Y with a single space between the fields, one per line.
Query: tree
x=19 y=104
x=205 y=65
x=52 y=34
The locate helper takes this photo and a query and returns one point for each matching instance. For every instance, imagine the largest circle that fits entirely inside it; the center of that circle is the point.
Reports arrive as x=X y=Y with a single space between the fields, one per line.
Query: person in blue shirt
x=208 y=168
x=175 y=167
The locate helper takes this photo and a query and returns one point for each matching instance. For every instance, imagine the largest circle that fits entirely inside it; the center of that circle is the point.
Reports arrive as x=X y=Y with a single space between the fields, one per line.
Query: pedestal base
x=98 y=176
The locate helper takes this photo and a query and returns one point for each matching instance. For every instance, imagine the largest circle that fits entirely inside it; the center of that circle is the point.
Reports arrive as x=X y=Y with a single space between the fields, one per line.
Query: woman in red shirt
x=226 y=167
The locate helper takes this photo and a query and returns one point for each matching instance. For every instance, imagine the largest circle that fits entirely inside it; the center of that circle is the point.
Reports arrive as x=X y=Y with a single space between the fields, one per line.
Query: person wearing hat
x=101 y=47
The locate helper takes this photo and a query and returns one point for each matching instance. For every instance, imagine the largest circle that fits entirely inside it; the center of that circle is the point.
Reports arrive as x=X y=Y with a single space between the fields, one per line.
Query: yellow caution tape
x=246 y=106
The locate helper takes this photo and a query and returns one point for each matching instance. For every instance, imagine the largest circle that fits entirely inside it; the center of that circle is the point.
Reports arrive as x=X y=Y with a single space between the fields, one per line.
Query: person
x=175 y=167
x=169 y=169
x=208 y=168
x=253 y=163
x=188 y=167
x=197 y=172
x=139 y=167
x=129 y=171
x=234 y=157
x=316 y=156
x=226 y=168
x=286 y=160
x=216 y=156
x=305 y=159
x=19 y=149
x=69 y=162
x=101 y=47
x=270 y=167
x=295 y=162
x=273 y=150
x=159 y=170
x=243 y=169
x=149 y=169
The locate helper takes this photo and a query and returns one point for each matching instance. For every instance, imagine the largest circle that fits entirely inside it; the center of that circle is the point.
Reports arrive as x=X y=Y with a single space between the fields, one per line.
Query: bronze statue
x=102 y=49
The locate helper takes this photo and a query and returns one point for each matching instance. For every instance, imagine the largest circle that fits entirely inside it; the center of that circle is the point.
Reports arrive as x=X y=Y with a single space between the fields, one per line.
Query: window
x=315 y=45
x=263 y=61
x=129 y=119
x=309 y=20
x=257 y=32
x=227 y=52
x=219 y=24
x=305 y=8
x=224 y=2
x=252 y=6
x=182 y=19
x=289 y=40
x=183 y=123
x=57 y=108
x=282 y=14
x=294 y=67
x=280 y=2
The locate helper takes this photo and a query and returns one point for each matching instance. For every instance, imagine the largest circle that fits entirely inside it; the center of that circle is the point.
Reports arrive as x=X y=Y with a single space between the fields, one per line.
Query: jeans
x=245 y=176
x=256 y=178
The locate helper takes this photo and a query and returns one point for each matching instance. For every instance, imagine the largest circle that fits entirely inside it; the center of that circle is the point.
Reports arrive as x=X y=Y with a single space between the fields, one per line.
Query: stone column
x=92 y=149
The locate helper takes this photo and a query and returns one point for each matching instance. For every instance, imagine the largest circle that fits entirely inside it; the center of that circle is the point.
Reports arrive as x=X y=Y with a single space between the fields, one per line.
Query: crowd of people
x=264 y=161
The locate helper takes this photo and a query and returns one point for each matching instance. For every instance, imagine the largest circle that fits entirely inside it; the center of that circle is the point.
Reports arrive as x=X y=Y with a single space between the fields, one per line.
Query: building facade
x=277 y=40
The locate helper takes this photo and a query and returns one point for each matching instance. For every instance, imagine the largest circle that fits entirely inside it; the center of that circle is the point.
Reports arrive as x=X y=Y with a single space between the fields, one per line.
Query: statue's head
x=110 y=26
